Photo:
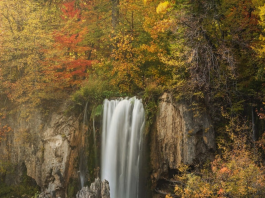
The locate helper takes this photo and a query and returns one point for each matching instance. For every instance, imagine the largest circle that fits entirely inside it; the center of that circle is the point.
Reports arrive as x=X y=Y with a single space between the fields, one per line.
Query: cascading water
x=123 y=124
x=82 y=159
x=95 y=144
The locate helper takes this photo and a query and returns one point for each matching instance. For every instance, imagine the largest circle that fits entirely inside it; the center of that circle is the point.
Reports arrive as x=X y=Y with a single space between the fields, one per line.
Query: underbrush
x=236 y=173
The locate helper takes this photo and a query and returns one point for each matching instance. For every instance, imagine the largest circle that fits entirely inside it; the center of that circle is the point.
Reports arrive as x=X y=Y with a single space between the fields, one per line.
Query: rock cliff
x=179 y=136
x=97 y=189
x=48 y=146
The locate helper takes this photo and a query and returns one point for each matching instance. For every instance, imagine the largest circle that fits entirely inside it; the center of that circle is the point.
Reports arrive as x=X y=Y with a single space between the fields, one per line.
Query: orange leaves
x=68 y=60
x=64 y=38
x=67 y=40
x=238 y=175
x=72 y=72
x=234 y=174
x=224 y=170
x=69 y=11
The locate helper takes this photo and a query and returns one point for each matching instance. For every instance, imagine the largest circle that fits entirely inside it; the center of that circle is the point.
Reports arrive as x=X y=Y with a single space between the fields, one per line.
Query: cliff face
x=47 y=146
x=179 y=136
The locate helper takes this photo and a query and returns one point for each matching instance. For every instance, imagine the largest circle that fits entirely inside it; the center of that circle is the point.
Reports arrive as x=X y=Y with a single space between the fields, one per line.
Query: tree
x=23 y=38
x=67 y=63
x=260 y=48
x=139 y=42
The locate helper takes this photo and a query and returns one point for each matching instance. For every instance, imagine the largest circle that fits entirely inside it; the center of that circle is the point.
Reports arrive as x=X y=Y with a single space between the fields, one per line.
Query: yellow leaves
x=160 y=27
x=235 y=174
x=178 y=190
x=25 y=37
x=163 y=7
x=260 y=48
x=152 y=48
x=157 y=27
x=124 y=49
x=196 y=187
x=147 y=1
x=262 y=14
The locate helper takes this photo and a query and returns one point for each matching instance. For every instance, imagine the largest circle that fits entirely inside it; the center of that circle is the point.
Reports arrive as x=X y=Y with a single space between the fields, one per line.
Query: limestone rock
x=97 y=189
x=180 y=136
x=47 y=145
x=105 y=189
x=44 y=195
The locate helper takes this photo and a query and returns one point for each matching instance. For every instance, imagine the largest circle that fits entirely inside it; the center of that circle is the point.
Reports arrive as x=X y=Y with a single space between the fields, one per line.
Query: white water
x=123 y=123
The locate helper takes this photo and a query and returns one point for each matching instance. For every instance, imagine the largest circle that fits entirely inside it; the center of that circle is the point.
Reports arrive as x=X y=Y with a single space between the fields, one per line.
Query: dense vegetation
x=210 y=52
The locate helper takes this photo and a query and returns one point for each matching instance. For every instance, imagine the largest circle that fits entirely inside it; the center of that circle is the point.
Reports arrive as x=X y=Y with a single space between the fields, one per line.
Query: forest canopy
x=210 y=48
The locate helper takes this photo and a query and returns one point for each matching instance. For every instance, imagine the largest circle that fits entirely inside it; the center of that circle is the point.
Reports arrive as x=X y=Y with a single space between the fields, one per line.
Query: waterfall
x=95 y=144
x=123 y=124
x=82 y=159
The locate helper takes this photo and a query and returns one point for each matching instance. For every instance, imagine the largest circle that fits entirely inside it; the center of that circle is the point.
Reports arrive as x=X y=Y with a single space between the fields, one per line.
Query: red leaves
x=71 y=69
x=66 y=39
x=81 y=64
x=68 y=60
x=69 y=11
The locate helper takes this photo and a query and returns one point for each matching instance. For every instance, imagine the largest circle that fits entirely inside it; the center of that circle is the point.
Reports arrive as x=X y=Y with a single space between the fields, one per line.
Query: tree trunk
x=115 y=13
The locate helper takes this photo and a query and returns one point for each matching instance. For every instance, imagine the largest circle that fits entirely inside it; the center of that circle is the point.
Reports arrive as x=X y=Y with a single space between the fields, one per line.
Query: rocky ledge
x=97 y=189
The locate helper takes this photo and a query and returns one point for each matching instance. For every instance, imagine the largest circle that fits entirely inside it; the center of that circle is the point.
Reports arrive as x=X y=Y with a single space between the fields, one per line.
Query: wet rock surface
x=179 y=137
x=97 y=189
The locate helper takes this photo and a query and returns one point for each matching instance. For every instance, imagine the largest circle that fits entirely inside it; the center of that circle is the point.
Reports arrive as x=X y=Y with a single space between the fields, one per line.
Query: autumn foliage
x=209 y=52
x=234 y=174
x=68 y=61
x=182 y=46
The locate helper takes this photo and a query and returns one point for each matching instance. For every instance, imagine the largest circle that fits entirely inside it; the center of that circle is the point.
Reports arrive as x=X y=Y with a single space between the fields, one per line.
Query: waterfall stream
x=82 y=160
x=123 y=124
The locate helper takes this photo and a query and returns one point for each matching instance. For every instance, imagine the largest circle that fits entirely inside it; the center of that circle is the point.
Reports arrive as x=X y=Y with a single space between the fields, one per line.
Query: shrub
x=235 y=174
